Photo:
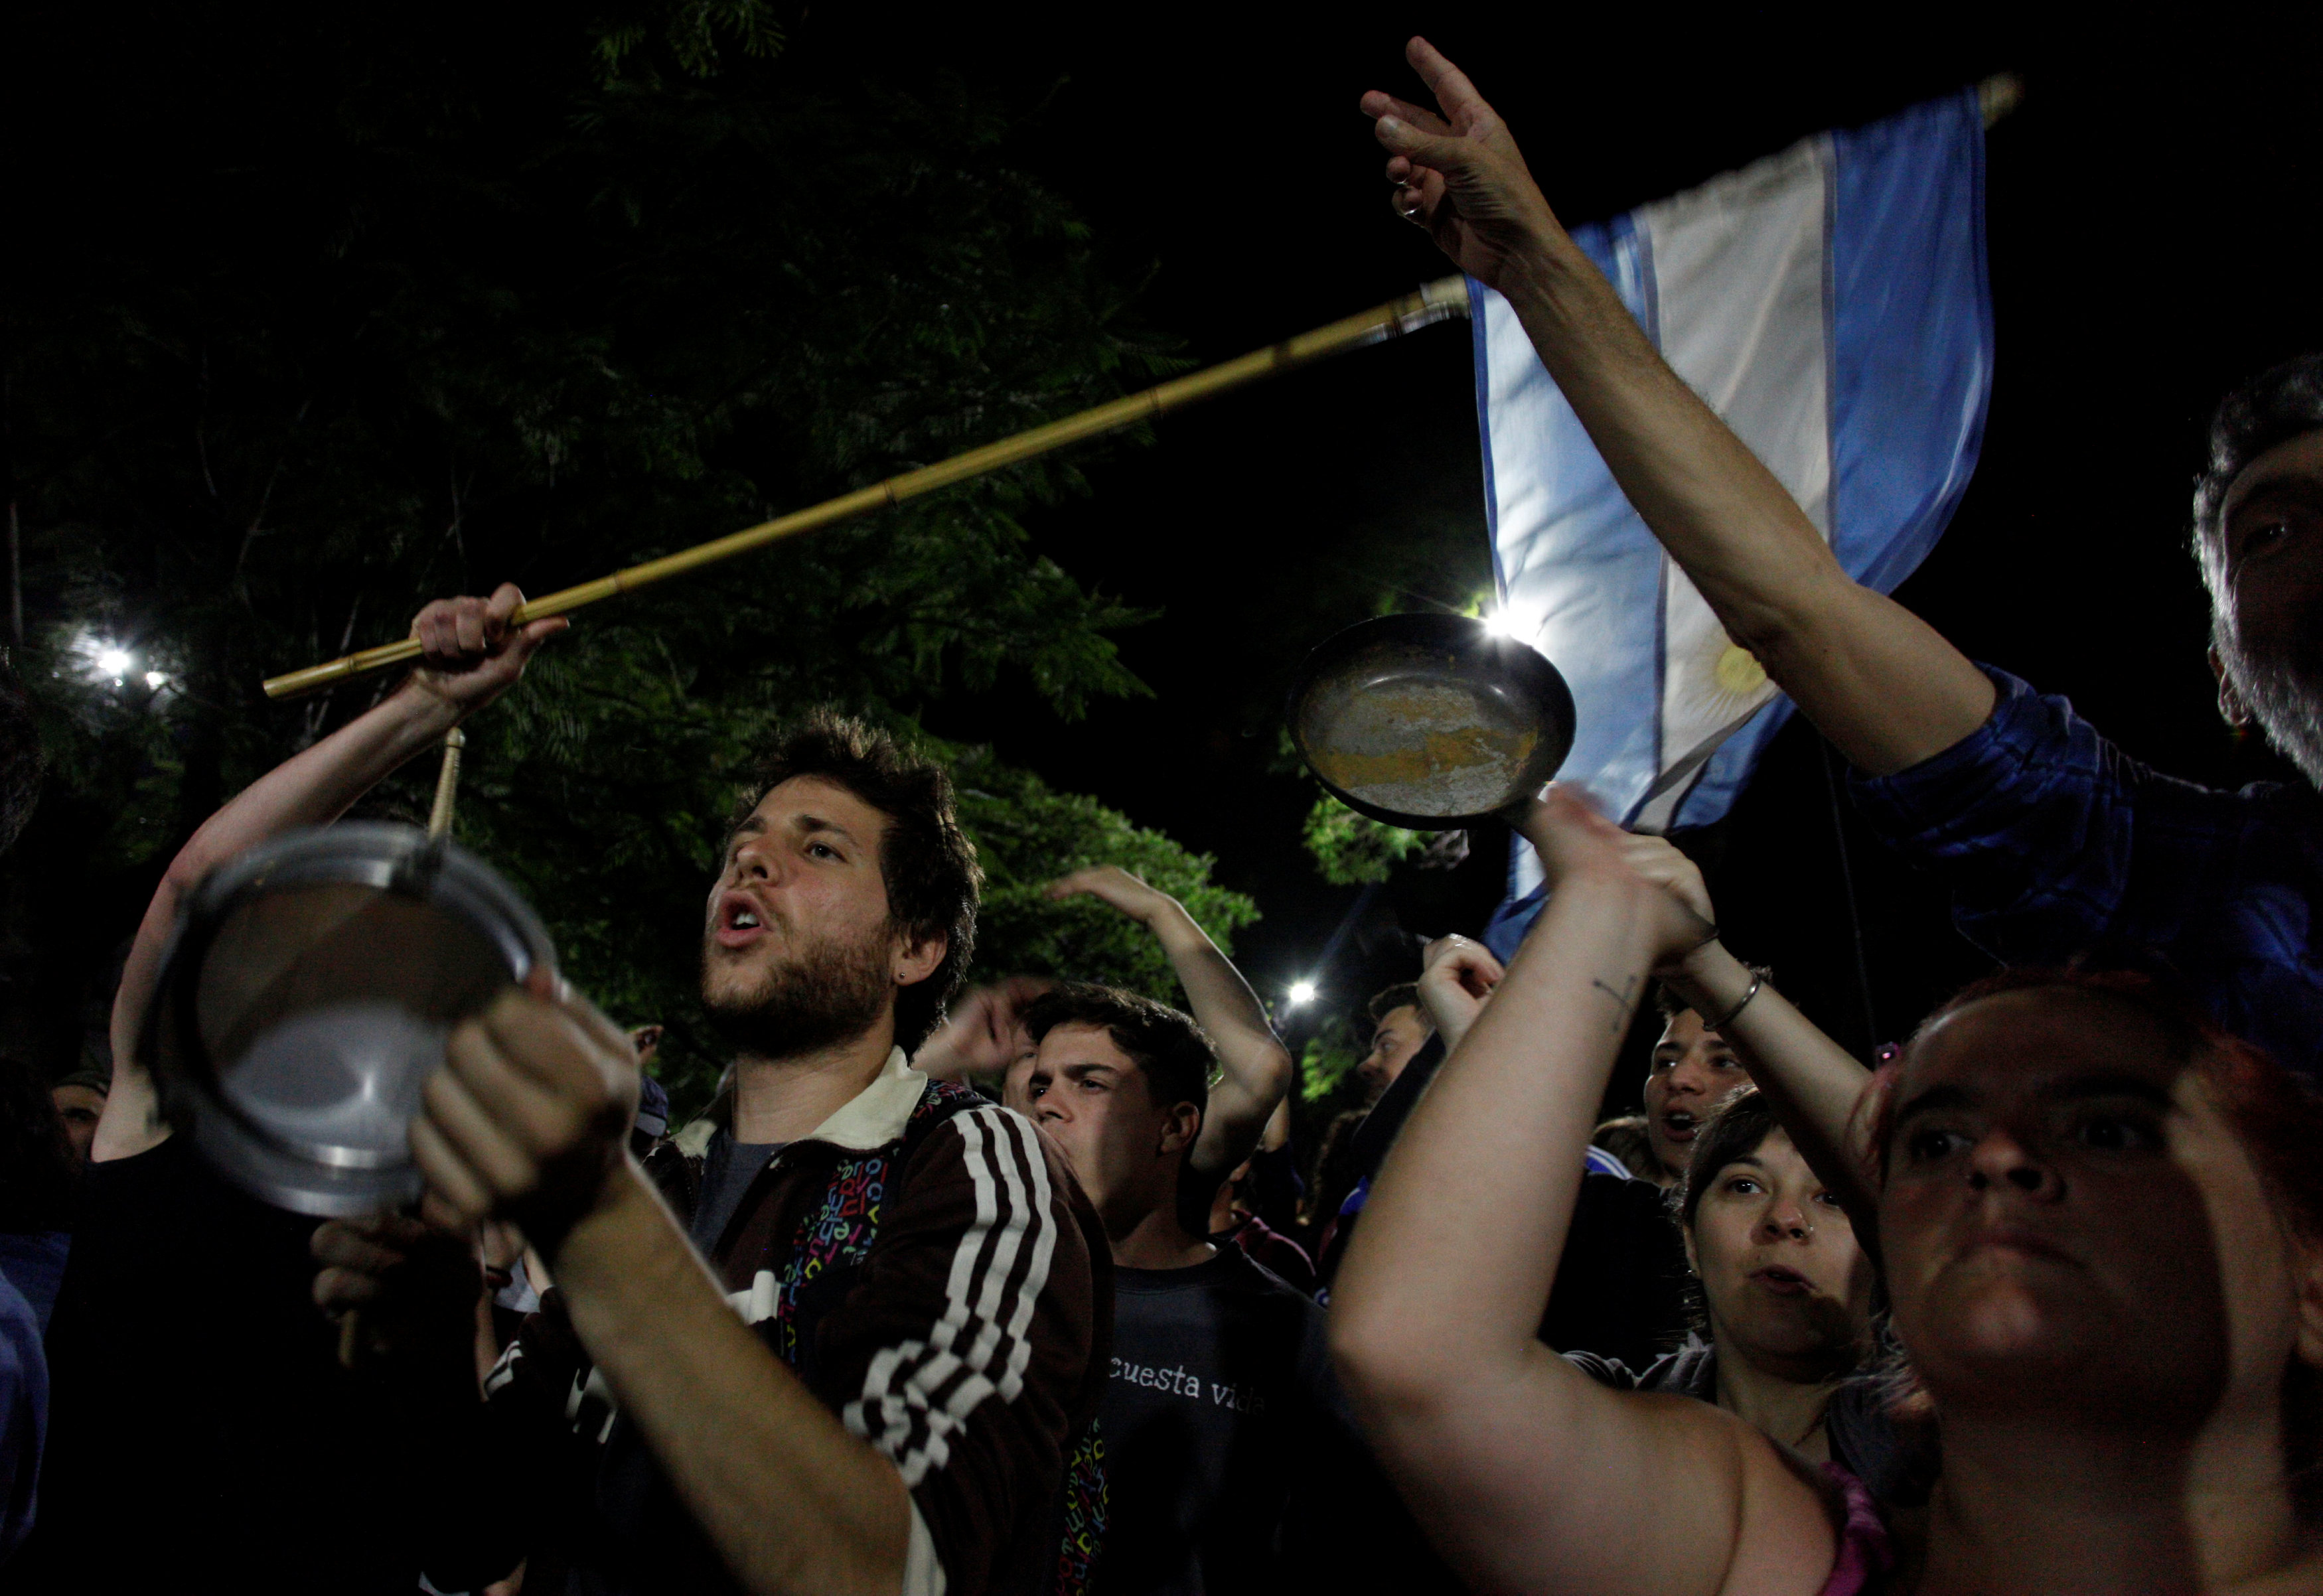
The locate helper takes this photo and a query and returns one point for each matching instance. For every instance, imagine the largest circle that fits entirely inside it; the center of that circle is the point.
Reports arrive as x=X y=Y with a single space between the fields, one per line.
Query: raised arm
x=1529 y=1474
x=1256 y=1066
x=1886 y=688
x=472 y=658
x=1815 y=1084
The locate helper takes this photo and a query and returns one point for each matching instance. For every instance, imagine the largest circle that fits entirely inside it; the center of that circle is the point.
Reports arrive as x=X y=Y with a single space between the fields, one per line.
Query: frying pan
x=1430 y=721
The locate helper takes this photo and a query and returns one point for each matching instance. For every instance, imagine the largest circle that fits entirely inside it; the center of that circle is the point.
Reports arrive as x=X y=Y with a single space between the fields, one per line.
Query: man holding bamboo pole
x=846 y=1332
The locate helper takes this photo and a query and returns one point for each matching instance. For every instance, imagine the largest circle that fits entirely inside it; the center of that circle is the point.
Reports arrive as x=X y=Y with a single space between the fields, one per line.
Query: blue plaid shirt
x=2054 y=842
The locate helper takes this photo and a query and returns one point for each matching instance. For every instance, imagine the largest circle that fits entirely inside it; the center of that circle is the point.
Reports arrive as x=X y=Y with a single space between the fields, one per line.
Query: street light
x=1301 y=992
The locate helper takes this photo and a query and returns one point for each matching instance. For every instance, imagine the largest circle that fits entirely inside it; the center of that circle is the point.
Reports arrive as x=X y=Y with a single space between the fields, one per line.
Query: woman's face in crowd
x=2069 y=1220
x=1780 y=1264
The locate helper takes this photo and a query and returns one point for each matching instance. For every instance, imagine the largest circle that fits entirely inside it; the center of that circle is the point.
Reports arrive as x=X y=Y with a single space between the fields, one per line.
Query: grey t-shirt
x=727 y=1171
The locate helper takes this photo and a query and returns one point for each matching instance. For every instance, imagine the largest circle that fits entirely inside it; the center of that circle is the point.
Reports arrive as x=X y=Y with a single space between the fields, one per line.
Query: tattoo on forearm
x=1623 y=1000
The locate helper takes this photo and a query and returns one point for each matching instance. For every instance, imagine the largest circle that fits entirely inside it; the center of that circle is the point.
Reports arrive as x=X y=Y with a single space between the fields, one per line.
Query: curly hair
x=2280 y=403
x=927 y=863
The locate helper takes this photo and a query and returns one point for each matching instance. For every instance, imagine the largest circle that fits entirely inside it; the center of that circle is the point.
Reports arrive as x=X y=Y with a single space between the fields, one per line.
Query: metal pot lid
x=306 y=997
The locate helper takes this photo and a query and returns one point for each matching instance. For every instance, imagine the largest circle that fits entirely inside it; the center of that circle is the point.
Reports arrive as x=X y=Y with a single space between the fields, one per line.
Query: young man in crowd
x=877 y=1380
x=1400 y=1029
x=1692 y=1072
x=79 y=1098
x=986 y=1034
x=1394 y=1069
x=2051 y=839
x=1221 y=1397
x=203 y=1435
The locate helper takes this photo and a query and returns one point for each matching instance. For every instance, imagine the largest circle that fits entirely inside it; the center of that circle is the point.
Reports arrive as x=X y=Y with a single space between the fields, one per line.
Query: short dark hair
x=1168 y=1046
x=1403 y=994
x=1671 y=1005
x=927 y=862
x=2280 y=403
x=1736 y=1130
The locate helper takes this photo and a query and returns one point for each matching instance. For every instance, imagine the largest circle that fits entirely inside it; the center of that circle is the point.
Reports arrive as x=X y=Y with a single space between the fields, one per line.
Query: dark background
x=2153 y=239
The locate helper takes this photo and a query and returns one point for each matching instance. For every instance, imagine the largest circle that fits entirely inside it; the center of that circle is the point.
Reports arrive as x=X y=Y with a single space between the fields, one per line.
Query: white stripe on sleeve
x=917 y=1393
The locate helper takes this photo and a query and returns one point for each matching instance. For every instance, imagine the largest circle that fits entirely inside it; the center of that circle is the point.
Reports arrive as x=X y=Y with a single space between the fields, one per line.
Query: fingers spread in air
x=1377 y=103
x=1446 y=82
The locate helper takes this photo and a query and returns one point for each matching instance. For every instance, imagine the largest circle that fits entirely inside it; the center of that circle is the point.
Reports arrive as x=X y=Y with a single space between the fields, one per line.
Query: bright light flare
x=156 y=680
x=1513 y=621
x=114 y=662
x=1301 y=992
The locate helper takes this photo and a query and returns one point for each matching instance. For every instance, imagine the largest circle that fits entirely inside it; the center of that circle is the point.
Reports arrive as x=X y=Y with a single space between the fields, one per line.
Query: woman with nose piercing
x=1783 y=1306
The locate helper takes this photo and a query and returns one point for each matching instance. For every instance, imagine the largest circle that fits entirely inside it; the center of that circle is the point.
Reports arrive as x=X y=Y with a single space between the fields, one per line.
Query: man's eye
x=1932 y=1145
x=1742 y=1185
x=822 y=850
x=1827 y=1198
x=2265 y=538
x=1726 y=1061
x=2117 y=1132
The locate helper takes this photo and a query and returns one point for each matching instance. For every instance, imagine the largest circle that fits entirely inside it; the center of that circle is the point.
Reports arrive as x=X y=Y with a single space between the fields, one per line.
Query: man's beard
x=828 y=994
x=2283 y=698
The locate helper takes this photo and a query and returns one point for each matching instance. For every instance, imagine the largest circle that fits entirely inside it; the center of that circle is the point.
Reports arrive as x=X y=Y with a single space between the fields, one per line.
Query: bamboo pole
x=1437 y=301
x=447 y=784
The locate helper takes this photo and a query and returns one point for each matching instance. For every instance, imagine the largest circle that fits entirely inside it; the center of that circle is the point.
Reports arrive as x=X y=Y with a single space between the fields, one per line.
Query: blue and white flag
x=1829 y=303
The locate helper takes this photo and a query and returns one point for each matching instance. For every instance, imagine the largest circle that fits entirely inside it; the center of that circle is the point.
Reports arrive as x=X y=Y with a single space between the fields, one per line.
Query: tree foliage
x=398 y=302
x=1350 y=848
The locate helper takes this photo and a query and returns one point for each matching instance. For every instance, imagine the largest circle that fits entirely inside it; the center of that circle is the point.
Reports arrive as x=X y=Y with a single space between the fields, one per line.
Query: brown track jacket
x=926 y=1263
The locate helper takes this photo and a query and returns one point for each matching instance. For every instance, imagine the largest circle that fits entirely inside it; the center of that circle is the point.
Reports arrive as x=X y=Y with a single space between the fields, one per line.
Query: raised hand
x=1455 y=980
x=984 y=1032
x=1110 y=883
x=1575 y=841
x=528 y=1119
x=1458 y=173
x=473 y=654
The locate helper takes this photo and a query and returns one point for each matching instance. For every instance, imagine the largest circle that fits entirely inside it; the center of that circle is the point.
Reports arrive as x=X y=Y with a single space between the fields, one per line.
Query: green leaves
x=563 y=299
x=1028 y=835
x=1350 y=848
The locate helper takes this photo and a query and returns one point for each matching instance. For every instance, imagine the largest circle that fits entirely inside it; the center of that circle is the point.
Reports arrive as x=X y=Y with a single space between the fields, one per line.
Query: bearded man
x=882 y=1378
x=2053 y=840
x=875 y=1366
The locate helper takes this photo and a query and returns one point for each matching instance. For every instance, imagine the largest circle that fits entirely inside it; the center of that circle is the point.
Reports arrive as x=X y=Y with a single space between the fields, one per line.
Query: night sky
x=2152 y=237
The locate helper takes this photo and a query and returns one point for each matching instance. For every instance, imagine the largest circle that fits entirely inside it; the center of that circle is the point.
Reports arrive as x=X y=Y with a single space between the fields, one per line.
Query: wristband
x=1728 y=1018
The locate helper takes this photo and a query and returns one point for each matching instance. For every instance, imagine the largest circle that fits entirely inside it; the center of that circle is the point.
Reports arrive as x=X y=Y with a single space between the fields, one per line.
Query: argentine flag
x=1829 y=303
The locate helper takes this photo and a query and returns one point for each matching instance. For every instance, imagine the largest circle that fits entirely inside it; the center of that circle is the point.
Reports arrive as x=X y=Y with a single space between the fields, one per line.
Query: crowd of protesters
x=1026 y=1287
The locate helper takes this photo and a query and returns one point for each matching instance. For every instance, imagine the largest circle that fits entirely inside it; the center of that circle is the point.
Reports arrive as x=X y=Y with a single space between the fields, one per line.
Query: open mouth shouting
x=741 y=921
x=1679 y=1126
